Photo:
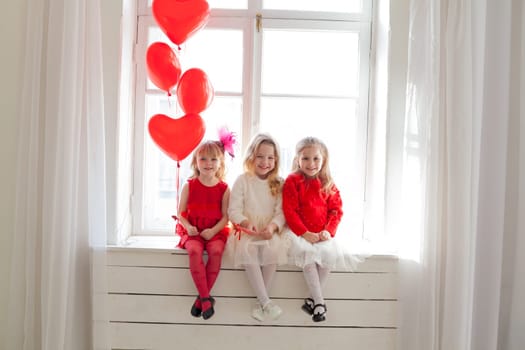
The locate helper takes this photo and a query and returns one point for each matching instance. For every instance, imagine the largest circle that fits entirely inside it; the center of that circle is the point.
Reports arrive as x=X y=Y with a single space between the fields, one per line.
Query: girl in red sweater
x=312 y=207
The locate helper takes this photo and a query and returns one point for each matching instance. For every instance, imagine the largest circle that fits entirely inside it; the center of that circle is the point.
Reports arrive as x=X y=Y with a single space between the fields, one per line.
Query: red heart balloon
x=163 y=66
x=195 y=91
x=180 y=19
x=177 y=138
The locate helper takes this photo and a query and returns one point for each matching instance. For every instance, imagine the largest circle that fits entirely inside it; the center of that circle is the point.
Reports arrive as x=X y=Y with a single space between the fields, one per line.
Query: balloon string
x=178 y=186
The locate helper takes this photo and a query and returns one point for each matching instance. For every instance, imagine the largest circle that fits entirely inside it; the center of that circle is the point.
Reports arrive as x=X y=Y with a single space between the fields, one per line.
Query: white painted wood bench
x=151 y=292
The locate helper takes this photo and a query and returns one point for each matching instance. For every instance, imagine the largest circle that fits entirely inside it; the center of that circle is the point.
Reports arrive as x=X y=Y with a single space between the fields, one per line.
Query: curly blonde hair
x=275 y=182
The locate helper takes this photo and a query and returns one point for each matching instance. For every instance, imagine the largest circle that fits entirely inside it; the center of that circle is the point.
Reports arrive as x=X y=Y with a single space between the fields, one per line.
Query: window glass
x=335 y=122
x=344 y=6
x=222 y=4
x=216 y=51
x=228 y=4
x=319 y=62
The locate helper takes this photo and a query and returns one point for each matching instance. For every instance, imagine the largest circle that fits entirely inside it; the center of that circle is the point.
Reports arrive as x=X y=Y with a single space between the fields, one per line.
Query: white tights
x=261 y=278
x=315 y=277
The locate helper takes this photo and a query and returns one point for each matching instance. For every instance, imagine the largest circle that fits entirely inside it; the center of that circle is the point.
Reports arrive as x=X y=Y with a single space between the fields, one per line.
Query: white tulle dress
x=251 y=200
x=307 y=208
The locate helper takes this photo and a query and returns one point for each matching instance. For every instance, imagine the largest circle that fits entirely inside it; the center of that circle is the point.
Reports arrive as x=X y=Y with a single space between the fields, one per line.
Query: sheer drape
x=60 y=211
x=460 y=277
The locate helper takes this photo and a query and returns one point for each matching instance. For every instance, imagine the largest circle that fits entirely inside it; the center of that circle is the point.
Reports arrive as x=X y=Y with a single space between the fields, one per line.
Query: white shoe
x=257 y=312
x=272 y=311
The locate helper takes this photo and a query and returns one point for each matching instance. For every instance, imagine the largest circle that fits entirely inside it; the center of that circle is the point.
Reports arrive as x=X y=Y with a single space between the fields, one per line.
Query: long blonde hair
x=274 y=180
x=211 y=149
x=324 y=175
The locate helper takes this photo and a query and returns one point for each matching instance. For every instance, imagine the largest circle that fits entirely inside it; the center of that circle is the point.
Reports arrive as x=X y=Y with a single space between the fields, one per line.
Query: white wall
x=11 y=39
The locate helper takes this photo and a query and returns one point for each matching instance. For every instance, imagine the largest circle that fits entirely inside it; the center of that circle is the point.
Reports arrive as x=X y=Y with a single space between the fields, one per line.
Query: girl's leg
x=323 y=273
x=195 y=249
x=215 y=250
x=265 y=309
x=314 y=275
x=311 y=276
x=255 y=277
x=268 y=272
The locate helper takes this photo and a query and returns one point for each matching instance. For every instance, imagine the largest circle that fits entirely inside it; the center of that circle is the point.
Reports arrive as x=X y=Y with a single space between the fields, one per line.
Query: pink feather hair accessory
x=228 y=140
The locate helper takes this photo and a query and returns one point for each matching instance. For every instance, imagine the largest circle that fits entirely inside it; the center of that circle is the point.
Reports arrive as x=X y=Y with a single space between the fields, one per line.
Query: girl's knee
x=194 y=248
x=215 y=249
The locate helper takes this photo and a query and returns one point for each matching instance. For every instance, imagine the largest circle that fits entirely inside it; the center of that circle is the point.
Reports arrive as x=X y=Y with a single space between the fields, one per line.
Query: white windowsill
x=169 y=244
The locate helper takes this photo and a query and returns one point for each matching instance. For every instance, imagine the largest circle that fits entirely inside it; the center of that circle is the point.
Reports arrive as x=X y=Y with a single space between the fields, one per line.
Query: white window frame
x=247 y=20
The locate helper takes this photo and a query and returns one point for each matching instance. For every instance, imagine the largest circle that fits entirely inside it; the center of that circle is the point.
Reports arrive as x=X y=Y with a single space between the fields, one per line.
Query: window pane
x=199 y=52
x=228 y=4
x=334 y=121
x=324 y=63
x=159 y=187
x=346 y=6
x=222 y=4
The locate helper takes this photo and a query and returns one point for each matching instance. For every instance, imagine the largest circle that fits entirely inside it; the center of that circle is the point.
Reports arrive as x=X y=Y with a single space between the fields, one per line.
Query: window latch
x=258 y=22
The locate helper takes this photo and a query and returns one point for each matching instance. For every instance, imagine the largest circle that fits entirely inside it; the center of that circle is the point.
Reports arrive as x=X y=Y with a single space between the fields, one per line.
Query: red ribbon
x=238 y=229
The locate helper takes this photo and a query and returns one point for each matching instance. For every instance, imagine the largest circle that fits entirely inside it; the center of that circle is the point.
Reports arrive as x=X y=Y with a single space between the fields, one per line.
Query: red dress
x=203 y=209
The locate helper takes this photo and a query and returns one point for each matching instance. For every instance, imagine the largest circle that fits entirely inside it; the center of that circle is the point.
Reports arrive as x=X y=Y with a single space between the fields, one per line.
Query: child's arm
x=192 y=230
x=334 y=211
x=277 y=223
x=208 y=233
x=236 y=205
x=278 y=215
x=290 y=210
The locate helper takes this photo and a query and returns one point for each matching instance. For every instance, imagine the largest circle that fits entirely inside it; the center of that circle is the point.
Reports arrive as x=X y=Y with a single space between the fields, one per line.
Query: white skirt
x=251 y=250
x=329 y=254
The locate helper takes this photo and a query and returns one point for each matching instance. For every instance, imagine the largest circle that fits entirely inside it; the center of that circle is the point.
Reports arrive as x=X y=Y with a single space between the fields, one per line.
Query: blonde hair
x=274 y=180
x=213 y=149
x=324 y=175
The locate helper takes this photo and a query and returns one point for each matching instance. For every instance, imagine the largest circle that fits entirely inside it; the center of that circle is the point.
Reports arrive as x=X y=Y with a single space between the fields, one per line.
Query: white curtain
x=60 y=224
x=462 y=281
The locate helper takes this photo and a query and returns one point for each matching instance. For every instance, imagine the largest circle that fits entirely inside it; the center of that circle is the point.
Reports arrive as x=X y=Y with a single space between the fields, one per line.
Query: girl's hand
x=311 y=237
x=248 y=225
x=192 y=231
x=266 y=234
x=324 y=235
x=207 y=234
x=268 y=231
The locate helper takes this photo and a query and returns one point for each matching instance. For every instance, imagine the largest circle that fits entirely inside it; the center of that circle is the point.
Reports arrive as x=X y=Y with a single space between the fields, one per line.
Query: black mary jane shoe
x=210 y=311
x=319 y=316
x=197 y=311
x=308 y=306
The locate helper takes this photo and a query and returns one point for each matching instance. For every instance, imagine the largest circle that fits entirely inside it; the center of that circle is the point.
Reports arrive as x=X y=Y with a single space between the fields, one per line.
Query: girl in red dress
x=202 y=215
x=312 y=207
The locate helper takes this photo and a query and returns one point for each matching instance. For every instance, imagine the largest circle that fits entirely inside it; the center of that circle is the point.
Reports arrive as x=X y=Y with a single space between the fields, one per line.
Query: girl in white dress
x=256 y=212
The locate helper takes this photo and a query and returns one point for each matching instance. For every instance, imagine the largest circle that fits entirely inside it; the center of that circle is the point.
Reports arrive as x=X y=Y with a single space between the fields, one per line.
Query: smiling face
x=207 y=165
x=310 y=161
x=264 y=160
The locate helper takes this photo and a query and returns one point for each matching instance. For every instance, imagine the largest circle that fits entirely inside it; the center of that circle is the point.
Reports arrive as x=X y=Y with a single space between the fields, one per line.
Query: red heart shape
x=177 y=138
x=180 y=19
x=163 y=66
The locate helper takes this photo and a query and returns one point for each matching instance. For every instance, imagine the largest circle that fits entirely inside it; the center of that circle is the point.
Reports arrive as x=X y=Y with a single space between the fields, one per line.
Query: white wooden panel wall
x=151 y=293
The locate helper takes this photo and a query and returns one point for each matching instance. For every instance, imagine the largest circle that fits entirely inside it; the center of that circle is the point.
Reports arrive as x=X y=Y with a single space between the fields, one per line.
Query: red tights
x=204 y=276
